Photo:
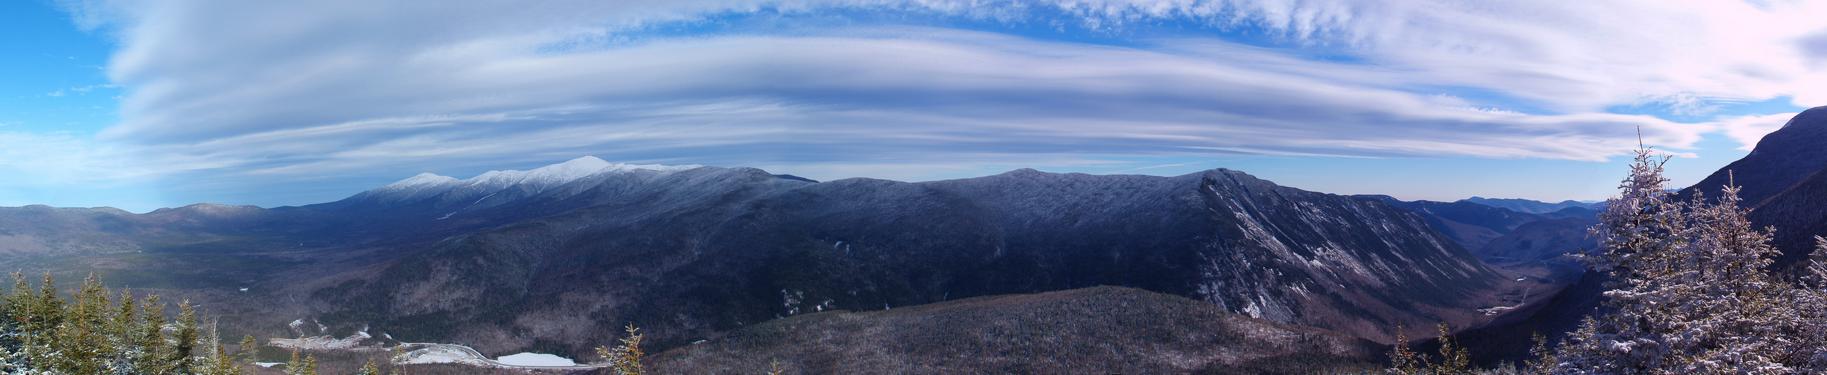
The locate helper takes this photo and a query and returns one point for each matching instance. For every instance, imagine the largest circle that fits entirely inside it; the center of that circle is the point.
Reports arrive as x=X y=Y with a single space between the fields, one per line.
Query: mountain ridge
x=692 y=252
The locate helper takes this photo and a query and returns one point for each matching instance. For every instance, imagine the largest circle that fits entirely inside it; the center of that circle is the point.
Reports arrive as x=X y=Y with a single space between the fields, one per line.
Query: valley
x=787 y=187
x=722 y=267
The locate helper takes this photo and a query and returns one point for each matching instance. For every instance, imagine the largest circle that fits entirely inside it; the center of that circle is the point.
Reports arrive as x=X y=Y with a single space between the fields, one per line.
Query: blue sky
x=141 y=105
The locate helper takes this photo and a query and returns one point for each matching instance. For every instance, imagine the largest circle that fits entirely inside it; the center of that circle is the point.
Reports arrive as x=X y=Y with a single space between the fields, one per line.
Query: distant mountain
x=1545 y=240
x=1101 y=330
x=1531 y=206
x=1470 y=224
x=558 y=258
x=1508 y=238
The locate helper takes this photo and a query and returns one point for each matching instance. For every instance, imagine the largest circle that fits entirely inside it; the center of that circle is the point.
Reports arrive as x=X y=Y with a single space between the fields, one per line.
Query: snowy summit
x=538 y=178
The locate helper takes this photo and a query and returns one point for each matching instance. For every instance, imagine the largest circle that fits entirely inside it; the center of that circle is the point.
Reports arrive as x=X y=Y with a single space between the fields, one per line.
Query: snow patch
x=420 y=180
x=537 y=179
x=326 y=342
x=441 y=354
x=561 y=173
x=535 y=359
x=425 y=353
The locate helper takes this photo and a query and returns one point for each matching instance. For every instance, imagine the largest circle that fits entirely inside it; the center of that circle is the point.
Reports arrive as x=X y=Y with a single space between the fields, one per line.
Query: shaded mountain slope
x=1102 y=330
x=1784 y=183
x=558 y=264
x=1543 y=240
x=1781 y=160
x=1472 y=225
x=1799 y=213
x=703 y=250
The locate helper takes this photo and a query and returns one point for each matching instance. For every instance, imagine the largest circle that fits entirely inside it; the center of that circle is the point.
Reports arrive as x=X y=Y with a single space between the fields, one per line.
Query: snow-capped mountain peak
x=568 y=171
x=533 y=180
x=561 y=173
x=421 y=180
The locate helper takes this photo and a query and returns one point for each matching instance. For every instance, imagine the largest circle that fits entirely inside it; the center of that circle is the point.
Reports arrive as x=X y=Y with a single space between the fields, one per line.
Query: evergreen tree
x=92 y=334
x=1691 y=290
x=150 y=337
x=625 y=358
x=369 y=369
x=218 y=363
x=775 y=369
x=48 y=311
x=83 y=342
x=248 y=350
x=1454 y=360
x=184 y=340
x=296 y=365
x=1402 y=360
x=310 y=366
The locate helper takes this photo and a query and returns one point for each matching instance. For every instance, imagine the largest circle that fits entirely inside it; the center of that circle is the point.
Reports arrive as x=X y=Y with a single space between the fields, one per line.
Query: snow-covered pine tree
x=149 y=337
x=625 y=358
x=1810 y=304
x=1692 y=291
x=1402 y=360
x=184 y=341
x=1641 y=231
x=92 y=335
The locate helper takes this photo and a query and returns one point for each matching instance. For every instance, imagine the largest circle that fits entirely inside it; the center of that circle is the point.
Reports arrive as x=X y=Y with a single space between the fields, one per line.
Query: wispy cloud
x=1748 y=130
x=78 y=90
x=335 y=87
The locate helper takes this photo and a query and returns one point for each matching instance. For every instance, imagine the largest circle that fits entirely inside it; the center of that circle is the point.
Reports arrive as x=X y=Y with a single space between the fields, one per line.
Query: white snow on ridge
x=421 y=180
x=542 y=177
x=535 y=359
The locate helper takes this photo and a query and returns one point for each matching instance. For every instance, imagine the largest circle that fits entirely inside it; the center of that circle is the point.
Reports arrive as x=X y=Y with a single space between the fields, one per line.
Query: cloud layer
x=304 y=89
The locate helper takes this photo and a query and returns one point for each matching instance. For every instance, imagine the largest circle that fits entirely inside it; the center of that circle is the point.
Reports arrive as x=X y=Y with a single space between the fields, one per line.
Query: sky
x=147 y=104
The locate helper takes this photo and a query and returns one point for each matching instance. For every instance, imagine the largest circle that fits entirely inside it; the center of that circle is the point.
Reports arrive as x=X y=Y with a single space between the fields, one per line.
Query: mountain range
x=1534 y=207
x=557 y=259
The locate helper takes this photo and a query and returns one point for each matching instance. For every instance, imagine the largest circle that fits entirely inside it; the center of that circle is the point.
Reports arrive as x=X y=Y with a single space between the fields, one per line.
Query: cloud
x=78 y=90
x=305 y=89
x=1748 y=130
x=853 y=97
x=1815 y=46
x=51 y=160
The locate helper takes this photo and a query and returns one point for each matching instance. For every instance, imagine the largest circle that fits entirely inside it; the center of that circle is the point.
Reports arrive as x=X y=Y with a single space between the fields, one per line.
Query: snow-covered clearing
x=423 y=353
x=327 y=342
x=535 y=359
